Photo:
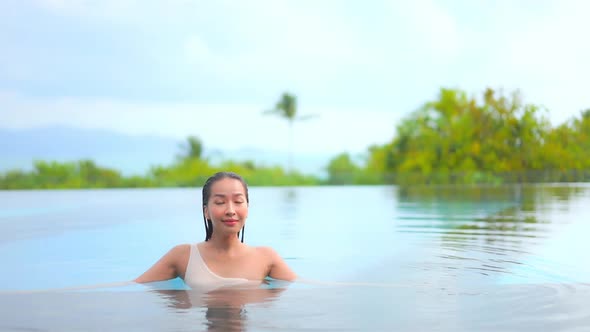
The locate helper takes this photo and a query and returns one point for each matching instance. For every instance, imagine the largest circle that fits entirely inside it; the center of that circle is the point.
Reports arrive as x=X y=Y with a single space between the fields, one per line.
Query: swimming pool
x=372 y=258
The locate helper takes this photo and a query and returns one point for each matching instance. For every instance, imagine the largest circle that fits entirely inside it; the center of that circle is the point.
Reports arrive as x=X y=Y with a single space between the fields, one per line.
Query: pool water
x=374 y=258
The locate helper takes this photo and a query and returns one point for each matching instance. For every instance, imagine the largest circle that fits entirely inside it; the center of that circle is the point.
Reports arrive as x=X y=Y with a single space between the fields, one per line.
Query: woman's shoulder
x=278 y=268
x=180 y=250
x=266 y=251
x=181 y=247
x=179 y=256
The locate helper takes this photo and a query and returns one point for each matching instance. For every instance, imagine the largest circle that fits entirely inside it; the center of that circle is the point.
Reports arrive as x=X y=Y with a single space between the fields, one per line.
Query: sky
x=210 y=68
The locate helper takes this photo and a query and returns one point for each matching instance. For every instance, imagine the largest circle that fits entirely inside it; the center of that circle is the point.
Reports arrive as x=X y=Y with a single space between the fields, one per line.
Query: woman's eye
x=218 y=203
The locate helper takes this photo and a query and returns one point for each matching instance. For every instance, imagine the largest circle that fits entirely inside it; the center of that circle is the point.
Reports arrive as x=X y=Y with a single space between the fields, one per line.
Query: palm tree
x=286 y=108
x=192 y=149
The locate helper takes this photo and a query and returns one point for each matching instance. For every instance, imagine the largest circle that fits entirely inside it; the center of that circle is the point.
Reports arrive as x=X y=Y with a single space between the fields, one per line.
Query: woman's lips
x=230 y=222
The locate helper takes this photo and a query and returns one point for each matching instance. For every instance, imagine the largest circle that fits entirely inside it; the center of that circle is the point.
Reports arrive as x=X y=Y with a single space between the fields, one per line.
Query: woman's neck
x=225 y=243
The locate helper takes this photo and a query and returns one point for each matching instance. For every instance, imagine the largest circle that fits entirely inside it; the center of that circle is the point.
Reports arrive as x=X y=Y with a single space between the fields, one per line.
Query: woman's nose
x=230 y=209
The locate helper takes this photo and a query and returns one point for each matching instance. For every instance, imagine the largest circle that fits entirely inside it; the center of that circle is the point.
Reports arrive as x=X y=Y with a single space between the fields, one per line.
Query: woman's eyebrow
x=223 y=195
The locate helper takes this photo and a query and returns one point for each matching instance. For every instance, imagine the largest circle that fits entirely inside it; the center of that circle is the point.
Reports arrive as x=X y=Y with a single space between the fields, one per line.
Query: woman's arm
x=278 y=267
x=166 y=268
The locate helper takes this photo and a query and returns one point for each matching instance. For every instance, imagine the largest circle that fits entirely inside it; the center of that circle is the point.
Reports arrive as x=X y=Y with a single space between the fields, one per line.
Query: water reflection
x=484 y=210
x=490 y=230
x=225 y=309
x=289 y=204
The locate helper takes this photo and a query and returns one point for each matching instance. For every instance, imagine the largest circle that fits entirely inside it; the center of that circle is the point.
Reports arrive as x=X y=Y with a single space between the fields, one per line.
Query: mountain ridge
x=130 y=154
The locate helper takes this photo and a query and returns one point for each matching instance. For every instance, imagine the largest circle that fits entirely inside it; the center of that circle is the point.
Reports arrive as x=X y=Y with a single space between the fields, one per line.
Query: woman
x=222 y=259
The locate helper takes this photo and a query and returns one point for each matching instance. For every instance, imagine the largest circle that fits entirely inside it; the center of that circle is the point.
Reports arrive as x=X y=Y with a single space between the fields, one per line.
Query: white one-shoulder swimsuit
x=199 y=276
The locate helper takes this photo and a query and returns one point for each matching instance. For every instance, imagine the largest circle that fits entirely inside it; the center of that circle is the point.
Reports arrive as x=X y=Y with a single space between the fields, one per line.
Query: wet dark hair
x=207 y=194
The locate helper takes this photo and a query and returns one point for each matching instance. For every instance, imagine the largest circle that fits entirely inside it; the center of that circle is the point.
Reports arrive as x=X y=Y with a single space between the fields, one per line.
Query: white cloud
x=546 y=57
x=105 y=9
x=535 y=47
x=238 y=51
x=427 y=28
x=196 y=50
x=279 y=40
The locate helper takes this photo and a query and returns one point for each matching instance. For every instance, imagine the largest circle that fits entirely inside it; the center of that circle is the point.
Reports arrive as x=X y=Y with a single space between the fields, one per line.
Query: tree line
x=190 y=169
x=492 y=138
x=460 y=139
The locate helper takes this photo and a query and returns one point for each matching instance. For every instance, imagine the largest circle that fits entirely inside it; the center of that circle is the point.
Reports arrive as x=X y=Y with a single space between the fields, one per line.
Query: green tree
x=567 y=149
x=342 y=170
x=192 y=148
x=286 y=108
x=456 y=138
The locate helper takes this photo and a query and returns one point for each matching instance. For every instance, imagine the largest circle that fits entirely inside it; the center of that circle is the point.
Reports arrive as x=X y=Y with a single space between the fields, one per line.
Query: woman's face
x=227 y=206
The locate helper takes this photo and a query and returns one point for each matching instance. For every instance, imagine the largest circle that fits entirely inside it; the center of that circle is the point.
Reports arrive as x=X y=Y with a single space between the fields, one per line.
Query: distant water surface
x=375 y=258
